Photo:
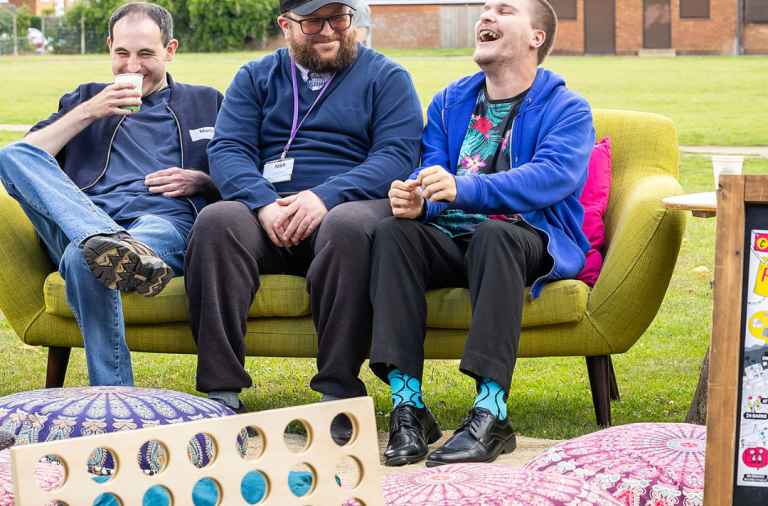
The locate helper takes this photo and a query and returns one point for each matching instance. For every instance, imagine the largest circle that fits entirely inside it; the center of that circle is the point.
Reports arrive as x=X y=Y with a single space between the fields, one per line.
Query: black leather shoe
x=411 y=430
x=481 y=437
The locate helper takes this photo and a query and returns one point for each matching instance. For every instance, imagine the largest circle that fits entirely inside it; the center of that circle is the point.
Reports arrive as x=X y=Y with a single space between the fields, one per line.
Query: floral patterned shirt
x=485 y=150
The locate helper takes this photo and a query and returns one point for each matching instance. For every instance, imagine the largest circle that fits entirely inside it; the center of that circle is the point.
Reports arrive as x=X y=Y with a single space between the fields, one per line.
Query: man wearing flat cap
x=305 y=148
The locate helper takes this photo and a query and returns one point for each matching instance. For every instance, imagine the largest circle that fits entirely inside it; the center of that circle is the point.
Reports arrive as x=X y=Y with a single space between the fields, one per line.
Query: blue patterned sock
x=405 y=389
x=492 y=397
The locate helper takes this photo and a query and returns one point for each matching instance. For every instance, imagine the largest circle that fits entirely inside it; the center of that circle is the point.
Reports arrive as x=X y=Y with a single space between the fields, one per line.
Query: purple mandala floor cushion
x=643 y=464
x=488 y=485
x=48 y=476
x=64 y=413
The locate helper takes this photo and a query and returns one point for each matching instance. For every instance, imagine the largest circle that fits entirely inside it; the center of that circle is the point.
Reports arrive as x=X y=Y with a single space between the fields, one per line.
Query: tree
x=23 y=20
x=6 y=22
x=199 y=25
x=228 y=25
x=96 y=14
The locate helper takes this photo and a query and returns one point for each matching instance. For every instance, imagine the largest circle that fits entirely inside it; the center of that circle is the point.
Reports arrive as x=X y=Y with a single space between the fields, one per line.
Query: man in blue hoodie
x=113 y=192
x=494 y=208
x=308 y=141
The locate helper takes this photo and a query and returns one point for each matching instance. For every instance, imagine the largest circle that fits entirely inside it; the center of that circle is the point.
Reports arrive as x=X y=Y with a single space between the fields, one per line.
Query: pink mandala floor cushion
x=48 y=476
x=488 y=485
x=594 y=198
x=643 y=464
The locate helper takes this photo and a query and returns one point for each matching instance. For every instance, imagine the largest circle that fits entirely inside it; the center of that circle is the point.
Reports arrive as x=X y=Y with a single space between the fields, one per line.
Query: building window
x=756 y=11
x=565 y=9
x=694 y=8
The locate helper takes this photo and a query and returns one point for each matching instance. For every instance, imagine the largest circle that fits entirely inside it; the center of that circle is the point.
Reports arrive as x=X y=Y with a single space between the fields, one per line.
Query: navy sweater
x=364 y=133
x=84 y=159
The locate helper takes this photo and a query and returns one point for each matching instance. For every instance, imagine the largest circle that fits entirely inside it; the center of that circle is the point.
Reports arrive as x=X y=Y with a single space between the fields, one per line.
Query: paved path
x=15 y=128
x=527 y=447
x=759 y=151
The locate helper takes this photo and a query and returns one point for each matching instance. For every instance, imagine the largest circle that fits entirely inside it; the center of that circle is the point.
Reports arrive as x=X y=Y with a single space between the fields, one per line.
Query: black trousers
x=228 y=250
x=496 y=263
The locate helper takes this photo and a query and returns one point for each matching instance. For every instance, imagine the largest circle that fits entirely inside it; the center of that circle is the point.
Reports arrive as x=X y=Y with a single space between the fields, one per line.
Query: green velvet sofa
x=569 y=319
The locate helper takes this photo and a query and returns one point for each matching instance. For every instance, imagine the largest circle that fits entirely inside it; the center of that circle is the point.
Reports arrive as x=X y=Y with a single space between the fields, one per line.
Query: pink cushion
x=488 y=485
x=49 y=477
x=594 y=198
x=661 y=464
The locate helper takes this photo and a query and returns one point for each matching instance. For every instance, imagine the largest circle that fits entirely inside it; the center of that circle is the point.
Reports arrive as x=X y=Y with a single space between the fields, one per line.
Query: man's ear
x=285 y=24
x=170 y=49
x=109 y=44
x=538 y=39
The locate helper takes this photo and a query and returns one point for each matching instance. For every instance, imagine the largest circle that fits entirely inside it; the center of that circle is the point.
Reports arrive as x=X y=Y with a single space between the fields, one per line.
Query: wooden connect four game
x=228 y=468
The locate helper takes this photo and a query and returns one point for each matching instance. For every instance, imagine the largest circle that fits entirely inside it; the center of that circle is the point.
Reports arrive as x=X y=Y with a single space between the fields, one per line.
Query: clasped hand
x=407 y=198
x=290 y=220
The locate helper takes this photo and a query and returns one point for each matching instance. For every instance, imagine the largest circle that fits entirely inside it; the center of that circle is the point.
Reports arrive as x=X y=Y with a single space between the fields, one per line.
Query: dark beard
x=305 y=55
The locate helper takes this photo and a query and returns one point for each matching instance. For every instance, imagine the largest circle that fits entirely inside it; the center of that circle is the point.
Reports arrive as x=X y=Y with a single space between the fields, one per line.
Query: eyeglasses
x=313 y=26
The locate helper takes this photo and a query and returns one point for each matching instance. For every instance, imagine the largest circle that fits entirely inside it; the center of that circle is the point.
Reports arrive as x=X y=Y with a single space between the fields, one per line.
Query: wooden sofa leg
x=599 y=379
x=614 y=386
x=58 y=359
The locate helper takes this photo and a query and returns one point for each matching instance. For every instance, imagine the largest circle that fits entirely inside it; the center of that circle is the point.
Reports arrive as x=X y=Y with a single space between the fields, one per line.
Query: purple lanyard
x=294 y=128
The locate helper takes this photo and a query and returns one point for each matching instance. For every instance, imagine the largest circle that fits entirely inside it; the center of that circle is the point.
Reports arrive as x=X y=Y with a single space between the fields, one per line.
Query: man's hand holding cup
x=113 y=98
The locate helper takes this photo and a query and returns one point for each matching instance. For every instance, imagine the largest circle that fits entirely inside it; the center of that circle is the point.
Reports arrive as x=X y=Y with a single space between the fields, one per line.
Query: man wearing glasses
x=306 y=146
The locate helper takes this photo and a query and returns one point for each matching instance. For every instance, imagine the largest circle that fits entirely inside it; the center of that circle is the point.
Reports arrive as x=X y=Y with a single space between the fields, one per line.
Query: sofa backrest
x=642 y=145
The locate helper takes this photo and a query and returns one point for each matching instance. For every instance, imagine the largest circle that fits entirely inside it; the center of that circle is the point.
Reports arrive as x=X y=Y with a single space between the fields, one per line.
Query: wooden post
x=42 y=29
x=15 y=37
x=82 y=33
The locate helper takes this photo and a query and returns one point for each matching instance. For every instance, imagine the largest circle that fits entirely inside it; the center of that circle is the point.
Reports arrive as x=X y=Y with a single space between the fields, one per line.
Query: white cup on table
x=726 y=164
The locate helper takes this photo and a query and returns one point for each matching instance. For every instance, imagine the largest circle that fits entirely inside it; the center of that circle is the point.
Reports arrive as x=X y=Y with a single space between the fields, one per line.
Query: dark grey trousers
x=228 y=250
x=496 y=263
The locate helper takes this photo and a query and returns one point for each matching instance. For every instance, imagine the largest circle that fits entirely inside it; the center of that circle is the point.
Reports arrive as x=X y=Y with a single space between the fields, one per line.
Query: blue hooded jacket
x=552 y=140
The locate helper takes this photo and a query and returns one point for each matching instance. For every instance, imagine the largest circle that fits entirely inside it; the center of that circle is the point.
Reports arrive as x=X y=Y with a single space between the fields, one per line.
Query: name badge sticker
x=201 y=133
x=278 y=171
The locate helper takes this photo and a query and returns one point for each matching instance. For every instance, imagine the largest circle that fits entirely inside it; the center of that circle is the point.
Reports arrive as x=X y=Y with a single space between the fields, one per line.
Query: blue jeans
x=65 y=217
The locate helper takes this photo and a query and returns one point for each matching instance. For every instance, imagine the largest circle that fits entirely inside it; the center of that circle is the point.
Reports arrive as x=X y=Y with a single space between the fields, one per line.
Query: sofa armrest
x=24 y=266
x=643 y=244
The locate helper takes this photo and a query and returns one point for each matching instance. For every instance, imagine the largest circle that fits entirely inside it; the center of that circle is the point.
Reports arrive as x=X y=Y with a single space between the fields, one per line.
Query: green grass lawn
x=712 y=100
x=550 y=397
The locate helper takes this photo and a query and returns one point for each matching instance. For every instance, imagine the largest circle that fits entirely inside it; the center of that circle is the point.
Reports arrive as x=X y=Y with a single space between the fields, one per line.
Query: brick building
x=622 y=27
x=36 y=7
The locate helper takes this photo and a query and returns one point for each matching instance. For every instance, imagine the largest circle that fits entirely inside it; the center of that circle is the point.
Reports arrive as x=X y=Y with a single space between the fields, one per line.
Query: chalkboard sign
x=737 y=417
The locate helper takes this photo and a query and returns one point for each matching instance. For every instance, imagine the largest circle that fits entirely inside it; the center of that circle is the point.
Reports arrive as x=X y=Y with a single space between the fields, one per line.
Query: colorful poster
x=752 y=445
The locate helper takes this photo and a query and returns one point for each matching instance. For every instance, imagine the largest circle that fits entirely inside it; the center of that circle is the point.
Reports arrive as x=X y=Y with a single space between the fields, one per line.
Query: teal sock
x=405 y=389
x=492 y=397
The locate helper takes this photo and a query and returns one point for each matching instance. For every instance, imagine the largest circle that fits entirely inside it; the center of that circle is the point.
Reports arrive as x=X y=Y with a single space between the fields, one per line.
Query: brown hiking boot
x=120 y=262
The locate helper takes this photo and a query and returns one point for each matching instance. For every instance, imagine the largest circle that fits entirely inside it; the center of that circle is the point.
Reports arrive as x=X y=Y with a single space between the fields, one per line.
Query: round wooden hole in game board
x=206 y=492
x=250 y=443
x=102 y=464
x=348 y=471
x=107 y=499
x=302 y=479
x=254 y=487
x=201 y=450
x=153 y=457
x=50 y=473
x=157 y=495
x=343 y=431
x=297 y=436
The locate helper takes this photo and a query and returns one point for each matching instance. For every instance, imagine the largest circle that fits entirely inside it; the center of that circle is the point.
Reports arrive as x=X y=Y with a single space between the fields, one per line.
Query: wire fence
x=60 y=38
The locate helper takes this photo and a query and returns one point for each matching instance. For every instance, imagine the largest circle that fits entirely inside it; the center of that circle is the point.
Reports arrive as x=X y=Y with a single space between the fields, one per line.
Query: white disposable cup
x=137 y=80
x=726 y=164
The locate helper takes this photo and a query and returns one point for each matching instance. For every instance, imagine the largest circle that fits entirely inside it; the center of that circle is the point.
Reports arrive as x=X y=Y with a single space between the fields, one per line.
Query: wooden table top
x=702 y=205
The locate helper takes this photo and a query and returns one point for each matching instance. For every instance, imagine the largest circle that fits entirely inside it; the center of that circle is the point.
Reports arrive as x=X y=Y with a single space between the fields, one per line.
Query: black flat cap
x=307 y=7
